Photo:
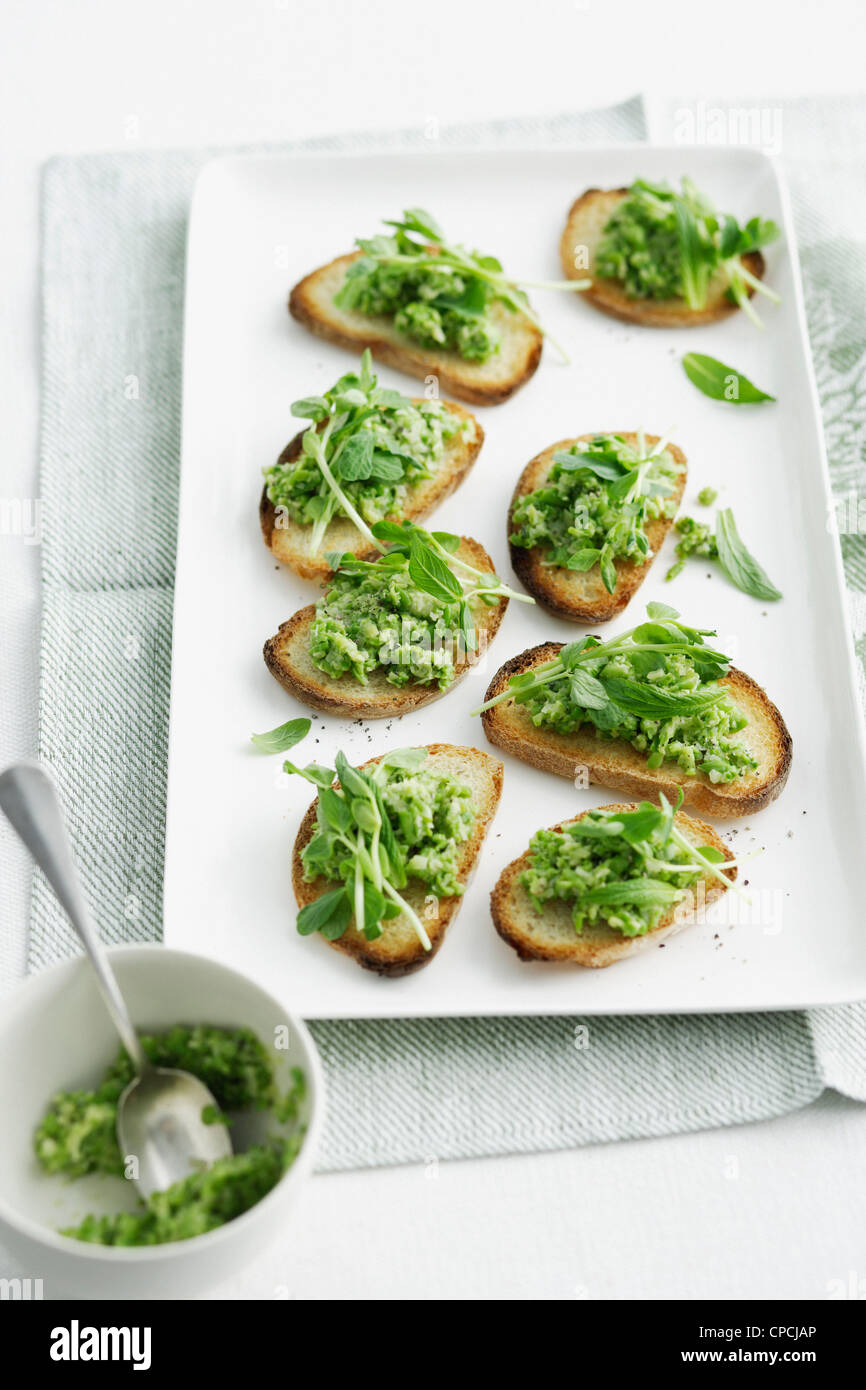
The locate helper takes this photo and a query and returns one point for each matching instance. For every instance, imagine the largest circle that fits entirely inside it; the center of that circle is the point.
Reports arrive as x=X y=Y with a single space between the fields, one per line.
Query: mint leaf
x=649 y=703
x=432 y=574
x=739 y=564
x=586 y=691
x=661 y=612
x=603 y=464
x=323 y=910
x=281 y=739
x=721 y=383
x=640 y=892
x=584 y=559
x=355 y=460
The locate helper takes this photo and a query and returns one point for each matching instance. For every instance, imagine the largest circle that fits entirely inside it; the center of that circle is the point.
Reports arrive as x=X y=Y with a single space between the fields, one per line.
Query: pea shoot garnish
x=657 y=686
x=625 y=869
x=665 y=243
x=381 y=825
x=365 y=448
x=408 y=611
x=438 y=292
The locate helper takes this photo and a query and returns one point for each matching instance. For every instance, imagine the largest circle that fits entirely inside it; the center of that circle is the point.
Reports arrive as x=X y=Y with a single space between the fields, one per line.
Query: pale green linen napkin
x=113 y=271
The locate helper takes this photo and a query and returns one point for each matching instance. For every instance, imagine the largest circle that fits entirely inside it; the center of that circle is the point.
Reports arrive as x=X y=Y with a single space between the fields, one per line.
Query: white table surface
x=768 y=1210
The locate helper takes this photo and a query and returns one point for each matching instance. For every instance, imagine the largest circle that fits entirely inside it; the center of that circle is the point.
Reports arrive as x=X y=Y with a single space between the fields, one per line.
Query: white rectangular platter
x=259 y=224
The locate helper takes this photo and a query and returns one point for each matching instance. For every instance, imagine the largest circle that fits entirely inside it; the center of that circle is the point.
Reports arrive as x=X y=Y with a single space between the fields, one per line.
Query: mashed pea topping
x=594 y=504
x=412 y=612
x=437 y=292
x=696 y=538
x=397 y=819
x=78 y=1136
x=438 y=295
x=197 y=1204
x=623 y=869
x=429 y=813
x=433 y=304
x=372 y=619
x=656 y=686
x=365 y=450
x=666 y=243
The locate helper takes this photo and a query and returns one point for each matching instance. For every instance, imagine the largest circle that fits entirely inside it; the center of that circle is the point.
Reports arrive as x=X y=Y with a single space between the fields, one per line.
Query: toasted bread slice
x=586 y=222
x=550 y=934
x=289 y=541
x=481 y=383
x=287 y=656
x=398 y=951
x=582 y=598
x=614 y=763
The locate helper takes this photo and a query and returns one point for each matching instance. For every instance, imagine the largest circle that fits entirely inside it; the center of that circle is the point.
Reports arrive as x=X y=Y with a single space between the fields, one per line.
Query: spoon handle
x=29 y=800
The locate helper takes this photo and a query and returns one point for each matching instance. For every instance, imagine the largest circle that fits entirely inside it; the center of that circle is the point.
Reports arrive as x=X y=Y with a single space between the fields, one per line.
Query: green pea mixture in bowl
x=77 y=1136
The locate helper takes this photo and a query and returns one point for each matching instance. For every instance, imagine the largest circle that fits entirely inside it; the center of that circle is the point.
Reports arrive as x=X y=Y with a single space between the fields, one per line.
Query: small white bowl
x=55 y=1035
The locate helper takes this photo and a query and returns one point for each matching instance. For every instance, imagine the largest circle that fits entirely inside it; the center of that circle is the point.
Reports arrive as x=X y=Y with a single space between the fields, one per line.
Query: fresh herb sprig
x=281 y=739
x=582 y=660
x=726 y=545
x=722 y=383
x=345 y=453
x=630 y=482
x=638 y=828
x=734 y=242
x=682 y=241
x=710 y=241
x=434 y=568
x=419 y=243
x=352 y=825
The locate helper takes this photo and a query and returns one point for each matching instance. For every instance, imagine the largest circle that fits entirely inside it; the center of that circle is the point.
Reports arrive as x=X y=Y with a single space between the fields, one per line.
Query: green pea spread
x=625 y=870
x=78 y=1136
x=595 y=503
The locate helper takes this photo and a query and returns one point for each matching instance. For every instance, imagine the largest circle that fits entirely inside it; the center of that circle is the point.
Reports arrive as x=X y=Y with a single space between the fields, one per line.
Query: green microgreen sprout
x=357 y=840
x=580 y=660
x=419 y=244
x=661 y=242
x=630 y=481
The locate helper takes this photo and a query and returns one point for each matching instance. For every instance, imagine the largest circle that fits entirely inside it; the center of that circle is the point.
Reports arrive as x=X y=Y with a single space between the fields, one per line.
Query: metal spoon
x=159 y=1115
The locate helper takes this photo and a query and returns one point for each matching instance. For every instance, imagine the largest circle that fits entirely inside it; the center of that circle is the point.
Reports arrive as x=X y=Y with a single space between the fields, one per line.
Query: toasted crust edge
x=404 y=357
x=610 y=298
x=700 y=794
